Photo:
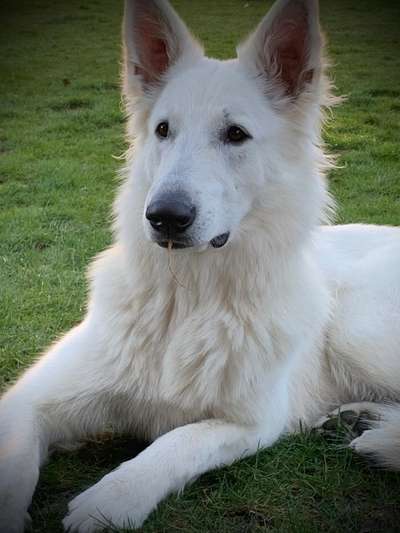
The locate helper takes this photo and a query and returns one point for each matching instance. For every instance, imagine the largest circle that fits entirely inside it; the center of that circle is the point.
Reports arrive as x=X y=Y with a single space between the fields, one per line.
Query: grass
x=60 y=126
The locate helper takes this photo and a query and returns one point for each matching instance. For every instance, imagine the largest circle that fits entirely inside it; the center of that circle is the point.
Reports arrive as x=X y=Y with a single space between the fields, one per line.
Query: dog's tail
x=381 y=442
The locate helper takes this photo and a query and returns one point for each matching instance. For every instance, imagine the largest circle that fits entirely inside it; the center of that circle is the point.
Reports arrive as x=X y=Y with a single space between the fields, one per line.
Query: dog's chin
x=217 y=242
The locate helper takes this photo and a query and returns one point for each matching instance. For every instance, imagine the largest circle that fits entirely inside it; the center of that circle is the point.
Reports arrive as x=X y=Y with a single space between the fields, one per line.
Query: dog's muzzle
x=170 y=215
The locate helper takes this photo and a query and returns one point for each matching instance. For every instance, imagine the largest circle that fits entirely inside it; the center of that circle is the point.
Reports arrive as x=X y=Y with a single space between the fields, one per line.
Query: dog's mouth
x=217 y=242
x=174 y=245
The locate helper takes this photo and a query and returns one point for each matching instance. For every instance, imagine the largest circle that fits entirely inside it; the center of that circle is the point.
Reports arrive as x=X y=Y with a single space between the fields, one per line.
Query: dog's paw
x=343 y=426
x=348 y=421
x=113 y=502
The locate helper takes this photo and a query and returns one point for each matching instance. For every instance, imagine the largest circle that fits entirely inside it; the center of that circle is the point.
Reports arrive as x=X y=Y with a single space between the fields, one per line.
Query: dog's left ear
x=154 y=39
x=286 y=47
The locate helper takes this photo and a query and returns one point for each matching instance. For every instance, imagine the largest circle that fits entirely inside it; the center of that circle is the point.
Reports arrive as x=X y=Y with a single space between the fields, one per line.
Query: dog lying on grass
x=224 y=315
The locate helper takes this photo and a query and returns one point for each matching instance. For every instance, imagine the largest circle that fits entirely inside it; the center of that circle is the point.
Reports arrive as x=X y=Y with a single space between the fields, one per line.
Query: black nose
x=171 y=213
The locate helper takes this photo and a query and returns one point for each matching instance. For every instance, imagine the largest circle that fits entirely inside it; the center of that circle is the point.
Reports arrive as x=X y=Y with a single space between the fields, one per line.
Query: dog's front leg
x=126 y=496
x=20 y=458
x=58 y=399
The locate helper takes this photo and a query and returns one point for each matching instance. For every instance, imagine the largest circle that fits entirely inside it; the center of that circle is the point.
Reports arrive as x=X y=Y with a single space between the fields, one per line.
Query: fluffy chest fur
x=216 y=346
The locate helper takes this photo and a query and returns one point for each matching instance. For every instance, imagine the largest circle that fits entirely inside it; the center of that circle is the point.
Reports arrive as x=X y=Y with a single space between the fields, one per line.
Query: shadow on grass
x=70 y=472
x=305 y=483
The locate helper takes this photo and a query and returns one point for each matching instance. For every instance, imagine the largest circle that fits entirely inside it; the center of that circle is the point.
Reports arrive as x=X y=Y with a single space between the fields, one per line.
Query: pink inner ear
x=152 y=49
x=292 y=60
x=289 y=48
x=157 y=62
x=158 y=51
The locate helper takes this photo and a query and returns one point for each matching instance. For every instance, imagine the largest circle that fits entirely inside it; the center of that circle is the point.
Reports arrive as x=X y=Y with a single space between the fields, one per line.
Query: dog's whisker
x=174 y=277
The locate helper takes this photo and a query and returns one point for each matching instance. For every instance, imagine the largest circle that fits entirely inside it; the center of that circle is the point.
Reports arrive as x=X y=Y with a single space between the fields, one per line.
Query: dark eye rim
x=159 y=129
x=243 y=136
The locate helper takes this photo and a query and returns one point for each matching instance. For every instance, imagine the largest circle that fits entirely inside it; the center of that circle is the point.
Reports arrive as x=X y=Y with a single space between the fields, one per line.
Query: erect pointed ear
x=286 y=46
x=155 y=38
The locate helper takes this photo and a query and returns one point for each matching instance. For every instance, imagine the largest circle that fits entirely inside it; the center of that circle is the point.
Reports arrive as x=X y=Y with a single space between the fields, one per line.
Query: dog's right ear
x=155 y=39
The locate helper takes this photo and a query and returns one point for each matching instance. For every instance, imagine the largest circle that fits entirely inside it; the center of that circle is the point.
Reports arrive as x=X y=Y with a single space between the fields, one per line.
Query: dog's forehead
x=212 y=88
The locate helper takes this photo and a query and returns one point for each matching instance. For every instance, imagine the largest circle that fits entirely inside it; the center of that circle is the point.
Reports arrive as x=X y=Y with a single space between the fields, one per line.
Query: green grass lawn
x=61 y=132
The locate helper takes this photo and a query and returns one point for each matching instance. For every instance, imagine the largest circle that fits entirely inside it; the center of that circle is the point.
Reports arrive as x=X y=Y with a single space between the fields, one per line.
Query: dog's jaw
x=217 y=242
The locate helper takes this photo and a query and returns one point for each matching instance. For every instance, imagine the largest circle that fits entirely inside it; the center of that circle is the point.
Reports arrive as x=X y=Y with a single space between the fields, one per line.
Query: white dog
x=260 y=320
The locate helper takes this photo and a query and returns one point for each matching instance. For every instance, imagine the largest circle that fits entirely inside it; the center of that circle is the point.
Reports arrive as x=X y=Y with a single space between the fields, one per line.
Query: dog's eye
x=236 y=135
x=162 y=129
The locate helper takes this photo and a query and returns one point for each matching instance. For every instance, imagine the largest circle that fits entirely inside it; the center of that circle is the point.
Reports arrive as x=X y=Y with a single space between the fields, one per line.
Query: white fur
x=285 y=322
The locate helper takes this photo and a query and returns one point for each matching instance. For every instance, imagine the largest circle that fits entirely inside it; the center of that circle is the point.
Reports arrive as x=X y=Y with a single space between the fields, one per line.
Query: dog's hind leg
x=49 y=404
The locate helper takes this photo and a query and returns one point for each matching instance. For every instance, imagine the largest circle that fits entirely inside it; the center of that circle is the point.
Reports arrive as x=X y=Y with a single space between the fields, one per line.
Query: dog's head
x=226 y=147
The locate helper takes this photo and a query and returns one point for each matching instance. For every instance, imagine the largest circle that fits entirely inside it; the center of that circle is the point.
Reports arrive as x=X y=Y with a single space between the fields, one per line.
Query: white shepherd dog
x=223 y=314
